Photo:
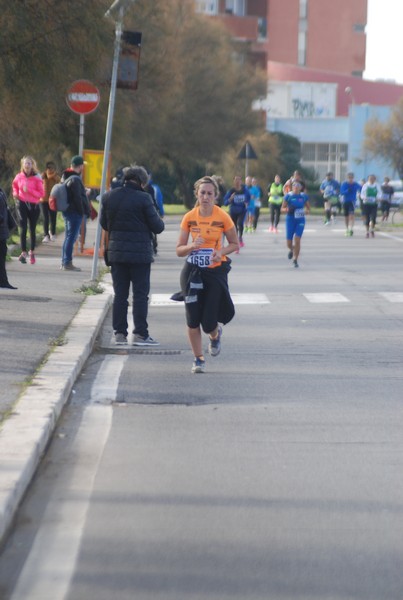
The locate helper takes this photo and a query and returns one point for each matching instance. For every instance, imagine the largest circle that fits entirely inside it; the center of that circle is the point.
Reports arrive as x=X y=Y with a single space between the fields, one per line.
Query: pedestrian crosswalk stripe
x=392 y=296
x=165 y=300
x=326 y=298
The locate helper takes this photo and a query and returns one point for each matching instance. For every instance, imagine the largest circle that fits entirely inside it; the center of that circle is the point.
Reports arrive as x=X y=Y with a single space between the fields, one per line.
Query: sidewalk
x=46 y=315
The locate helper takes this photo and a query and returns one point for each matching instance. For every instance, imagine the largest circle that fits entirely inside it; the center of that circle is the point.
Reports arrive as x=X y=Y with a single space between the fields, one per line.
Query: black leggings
x=238 y=219
x=49 y=217
x=369 y=211
x=275 y=213
x=28 y=214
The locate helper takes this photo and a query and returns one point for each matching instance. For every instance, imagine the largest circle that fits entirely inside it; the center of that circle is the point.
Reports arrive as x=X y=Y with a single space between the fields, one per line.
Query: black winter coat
x=78 y=201
x=129 y=216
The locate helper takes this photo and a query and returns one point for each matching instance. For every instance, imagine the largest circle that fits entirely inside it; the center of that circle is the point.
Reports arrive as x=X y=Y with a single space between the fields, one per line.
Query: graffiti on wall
x=308 y=109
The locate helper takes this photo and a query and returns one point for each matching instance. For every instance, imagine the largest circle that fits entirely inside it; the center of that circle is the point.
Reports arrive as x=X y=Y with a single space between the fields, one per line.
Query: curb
x=26 y=433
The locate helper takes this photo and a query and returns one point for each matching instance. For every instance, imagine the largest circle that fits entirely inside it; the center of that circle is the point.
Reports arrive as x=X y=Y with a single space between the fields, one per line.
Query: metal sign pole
x=81 y=135
x=108 y=135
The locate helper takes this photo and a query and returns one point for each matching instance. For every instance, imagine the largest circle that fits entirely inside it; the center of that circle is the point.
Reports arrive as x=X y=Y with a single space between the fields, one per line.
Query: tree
x=45 y=45
x=386 y=139
x=194 y=101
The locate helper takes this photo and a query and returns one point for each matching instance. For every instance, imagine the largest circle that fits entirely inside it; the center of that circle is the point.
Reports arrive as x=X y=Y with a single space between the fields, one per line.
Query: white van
x=397 y=198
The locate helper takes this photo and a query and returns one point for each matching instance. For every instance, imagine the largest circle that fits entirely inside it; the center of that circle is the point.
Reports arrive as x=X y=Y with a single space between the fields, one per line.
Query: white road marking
x=158 y=300
x=392 y=296
x=50 y=566
x=326 y=298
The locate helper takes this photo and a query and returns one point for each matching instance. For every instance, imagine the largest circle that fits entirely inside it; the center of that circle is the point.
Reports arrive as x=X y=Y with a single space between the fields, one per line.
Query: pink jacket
x=28 y=189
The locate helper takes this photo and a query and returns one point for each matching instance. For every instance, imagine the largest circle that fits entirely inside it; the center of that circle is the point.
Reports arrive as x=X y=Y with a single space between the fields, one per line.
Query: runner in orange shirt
x=204 y=277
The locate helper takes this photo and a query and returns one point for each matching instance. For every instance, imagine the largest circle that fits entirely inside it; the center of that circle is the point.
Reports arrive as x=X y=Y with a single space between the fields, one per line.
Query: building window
x=303 y=9
x=262 y=28
x=323 y=158
x=302 y=48
x=359 y=28
x=235 y=7
x=209 y=7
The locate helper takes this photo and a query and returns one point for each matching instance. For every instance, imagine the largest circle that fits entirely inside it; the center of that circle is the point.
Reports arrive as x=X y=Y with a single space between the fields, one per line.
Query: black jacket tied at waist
x=193 y=280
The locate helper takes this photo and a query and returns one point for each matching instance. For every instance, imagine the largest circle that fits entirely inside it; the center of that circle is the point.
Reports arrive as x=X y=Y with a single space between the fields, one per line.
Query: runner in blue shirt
x=238 y=198
x=348 y=195
x=296 y=205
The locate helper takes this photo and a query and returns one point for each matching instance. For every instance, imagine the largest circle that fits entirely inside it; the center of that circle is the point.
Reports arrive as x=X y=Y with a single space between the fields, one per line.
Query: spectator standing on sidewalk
x=371 y=192
x=4 y=235
x=79 y=208
x=27 y=190
x=129 y=217
x=50 y=178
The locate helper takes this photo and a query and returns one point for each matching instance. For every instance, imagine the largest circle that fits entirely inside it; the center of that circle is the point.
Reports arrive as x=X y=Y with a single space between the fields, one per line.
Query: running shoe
x=290 y=255
x=373 y=233
x=241 y=242
x=32 y=258
x=367 y=234
x=215 y=344
x=23 y=258
x=198 y=365
x=46 y=239
x=296 y=265
x=139 y=340
x=120 y=339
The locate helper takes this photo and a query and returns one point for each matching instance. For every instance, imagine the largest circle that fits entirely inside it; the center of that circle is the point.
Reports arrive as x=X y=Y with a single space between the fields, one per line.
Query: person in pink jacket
x=27 y=191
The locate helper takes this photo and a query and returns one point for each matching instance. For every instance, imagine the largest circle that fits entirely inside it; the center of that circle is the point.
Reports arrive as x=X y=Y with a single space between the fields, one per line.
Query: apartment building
x=317 y=34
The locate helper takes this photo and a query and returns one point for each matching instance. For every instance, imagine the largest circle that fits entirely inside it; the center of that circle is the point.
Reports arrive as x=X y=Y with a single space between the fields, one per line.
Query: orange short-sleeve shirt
x=211 y=228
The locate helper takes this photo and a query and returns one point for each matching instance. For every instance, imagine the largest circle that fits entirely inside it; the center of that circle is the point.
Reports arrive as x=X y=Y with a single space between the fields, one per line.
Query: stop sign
x=83 y=97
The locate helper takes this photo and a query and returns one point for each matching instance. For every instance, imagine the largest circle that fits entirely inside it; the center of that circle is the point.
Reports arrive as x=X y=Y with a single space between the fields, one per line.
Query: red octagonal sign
x=83 y=97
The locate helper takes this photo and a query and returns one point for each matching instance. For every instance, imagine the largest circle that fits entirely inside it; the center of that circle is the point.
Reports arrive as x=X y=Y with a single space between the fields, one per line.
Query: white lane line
x=326 y=298
x=50 y=566
x=388 y=235
x=392 y=296
x=107 y=380
x=158 y=300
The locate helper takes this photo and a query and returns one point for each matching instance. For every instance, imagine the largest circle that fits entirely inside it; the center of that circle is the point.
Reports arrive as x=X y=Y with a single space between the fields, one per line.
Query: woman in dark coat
x=4 y=235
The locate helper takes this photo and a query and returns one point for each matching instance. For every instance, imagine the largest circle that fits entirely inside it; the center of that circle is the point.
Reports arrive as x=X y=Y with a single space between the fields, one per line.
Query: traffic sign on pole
x=83 y=97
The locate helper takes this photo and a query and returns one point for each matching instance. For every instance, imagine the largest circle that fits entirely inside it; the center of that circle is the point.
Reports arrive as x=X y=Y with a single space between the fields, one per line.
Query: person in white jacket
x=370 y=194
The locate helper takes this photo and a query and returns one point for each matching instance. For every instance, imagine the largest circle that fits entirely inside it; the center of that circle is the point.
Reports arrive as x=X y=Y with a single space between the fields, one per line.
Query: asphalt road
x=276 y=474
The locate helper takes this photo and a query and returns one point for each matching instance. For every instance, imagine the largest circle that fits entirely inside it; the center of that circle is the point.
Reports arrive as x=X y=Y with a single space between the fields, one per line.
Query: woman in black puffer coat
x=4 y=234
x=129 y=217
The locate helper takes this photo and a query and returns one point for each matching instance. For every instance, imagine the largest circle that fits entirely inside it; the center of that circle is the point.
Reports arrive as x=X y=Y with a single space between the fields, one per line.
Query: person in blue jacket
x=349 y=191
x=295 y=205
x=330 y=189
x=238 y=198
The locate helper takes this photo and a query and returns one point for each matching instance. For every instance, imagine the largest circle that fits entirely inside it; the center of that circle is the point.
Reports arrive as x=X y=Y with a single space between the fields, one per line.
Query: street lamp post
x=116 y=13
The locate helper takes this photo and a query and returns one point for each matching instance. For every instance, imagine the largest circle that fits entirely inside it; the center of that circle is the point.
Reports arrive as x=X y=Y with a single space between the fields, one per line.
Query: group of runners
x=208 y=234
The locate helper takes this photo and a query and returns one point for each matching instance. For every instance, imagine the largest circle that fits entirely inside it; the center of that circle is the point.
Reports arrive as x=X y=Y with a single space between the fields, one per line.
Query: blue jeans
x=72 y=223
x=124 y=274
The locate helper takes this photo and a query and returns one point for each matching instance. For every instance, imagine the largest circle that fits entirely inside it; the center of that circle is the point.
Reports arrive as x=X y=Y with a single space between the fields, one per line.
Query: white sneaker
x=46 y=239
x=52 y=238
